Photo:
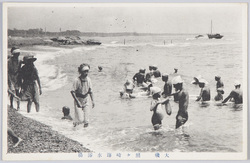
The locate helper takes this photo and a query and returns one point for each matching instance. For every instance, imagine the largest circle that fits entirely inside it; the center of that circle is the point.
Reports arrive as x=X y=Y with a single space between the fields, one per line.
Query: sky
x=140 y=18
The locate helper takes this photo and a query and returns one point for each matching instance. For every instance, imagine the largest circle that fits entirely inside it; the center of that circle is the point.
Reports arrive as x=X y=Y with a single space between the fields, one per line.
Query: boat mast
x=211 y=27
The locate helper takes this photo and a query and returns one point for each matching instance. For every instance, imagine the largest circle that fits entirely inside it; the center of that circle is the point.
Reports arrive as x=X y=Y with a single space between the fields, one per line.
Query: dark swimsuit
x=182 y=120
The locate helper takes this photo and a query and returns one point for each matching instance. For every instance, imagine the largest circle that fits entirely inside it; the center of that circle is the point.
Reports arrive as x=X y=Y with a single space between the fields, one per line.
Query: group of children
x=234 y=96
x=146 y=82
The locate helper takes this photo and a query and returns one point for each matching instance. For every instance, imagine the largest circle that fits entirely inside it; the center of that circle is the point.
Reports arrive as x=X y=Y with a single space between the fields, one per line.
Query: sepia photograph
x=124 y=81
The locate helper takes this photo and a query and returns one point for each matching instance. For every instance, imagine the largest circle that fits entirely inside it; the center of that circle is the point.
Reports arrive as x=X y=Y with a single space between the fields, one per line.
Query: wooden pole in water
x=164 y=42
x=124 y=41
x=171 y=41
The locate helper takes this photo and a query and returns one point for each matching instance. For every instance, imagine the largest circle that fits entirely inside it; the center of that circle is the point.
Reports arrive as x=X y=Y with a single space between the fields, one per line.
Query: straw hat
x=15 y=50
x=29 y=58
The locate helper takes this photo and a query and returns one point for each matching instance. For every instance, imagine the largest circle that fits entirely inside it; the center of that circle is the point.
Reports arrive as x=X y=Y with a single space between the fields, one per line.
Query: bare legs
x=37 y=105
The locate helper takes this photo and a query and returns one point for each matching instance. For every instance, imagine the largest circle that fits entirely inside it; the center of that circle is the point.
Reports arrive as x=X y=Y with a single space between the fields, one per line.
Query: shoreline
x=38 y=137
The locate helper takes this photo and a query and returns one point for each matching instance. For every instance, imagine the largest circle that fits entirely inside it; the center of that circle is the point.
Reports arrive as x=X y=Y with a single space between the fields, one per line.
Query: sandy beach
x=38 y=138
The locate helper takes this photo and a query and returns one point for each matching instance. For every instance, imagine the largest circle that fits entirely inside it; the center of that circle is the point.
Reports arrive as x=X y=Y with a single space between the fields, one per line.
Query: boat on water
x=93 y=42
x=199 y=36
x=216 y=36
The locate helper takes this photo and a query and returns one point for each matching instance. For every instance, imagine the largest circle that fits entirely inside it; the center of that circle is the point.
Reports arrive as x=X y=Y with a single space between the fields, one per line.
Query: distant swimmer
x=66 y=113
x=196 y=80
x=205 y=91
x=219 y=83
x=175 y=70
x=156 y=72
x=167 y=87
x=219 y=96
x=127 y=91
x=99 y=68
x=235 y=94
x=139 y=78
x=183 y=98
x=156 y=107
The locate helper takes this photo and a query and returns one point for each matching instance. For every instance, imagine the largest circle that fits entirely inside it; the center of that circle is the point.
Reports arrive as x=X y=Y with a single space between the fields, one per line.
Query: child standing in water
x=157 y=110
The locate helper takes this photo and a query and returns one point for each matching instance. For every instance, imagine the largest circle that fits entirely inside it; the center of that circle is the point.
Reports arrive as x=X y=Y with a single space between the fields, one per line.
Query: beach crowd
x=24 y=85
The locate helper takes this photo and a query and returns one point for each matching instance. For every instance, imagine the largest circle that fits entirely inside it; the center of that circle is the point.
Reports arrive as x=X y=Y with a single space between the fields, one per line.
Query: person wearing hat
x=82 y=87
x=157 y=110
x=235 y=94
x=66 y=113
x=167 y=90
x=219 y=83
x=139 y=77
x=29 y=80
x=219 y=95
x=205 y=91
x=156 y=72
x=14 y=66
x=183 y=98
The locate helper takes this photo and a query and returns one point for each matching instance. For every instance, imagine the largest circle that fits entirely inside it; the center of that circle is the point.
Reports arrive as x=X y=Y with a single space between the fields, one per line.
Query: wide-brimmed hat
x=154 y=90
x=236 y=82
x=177 y=80
x=15 y=50
x=29 y=58
x=203 y=81
x=196 y=79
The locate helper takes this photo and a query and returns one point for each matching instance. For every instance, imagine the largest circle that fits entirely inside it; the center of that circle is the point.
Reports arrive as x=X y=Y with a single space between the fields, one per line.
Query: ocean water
x=125 y=124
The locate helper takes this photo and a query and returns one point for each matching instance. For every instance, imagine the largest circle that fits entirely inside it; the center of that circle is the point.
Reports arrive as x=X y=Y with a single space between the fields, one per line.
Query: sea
x=124 y=125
